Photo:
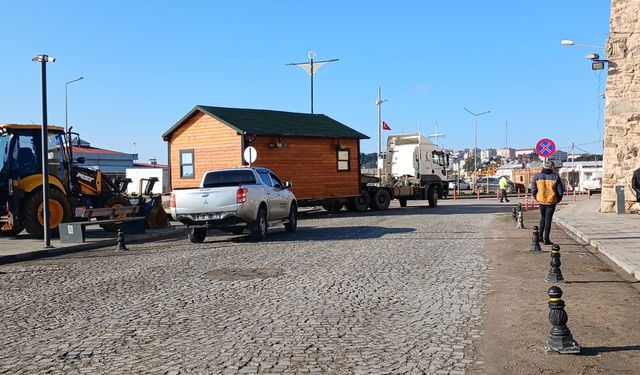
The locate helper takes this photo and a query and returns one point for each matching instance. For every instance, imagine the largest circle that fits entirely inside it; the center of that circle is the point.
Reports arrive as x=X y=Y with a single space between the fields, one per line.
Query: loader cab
x=21 y=155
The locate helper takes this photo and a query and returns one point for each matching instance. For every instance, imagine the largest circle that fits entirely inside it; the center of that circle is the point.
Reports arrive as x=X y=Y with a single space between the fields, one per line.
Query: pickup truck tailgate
x=206 y=200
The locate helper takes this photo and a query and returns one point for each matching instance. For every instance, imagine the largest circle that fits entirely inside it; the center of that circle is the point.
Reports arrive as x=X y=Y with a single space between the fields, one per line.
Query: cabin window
x=344 y=164
x=186 y=164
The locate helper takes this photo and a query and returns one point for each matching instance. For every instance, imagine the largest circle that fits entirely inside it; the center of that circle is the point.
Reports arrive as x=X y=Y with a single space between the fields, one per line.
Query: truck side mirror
x=287 y=185
x=81 y=159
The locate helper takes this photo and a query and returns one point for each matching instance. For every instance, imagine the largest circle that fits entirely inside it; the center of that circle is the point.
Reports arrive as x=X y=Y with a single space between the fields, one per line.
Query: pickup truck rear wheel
x=197 y=235
x=292 y=225
x=259 y=228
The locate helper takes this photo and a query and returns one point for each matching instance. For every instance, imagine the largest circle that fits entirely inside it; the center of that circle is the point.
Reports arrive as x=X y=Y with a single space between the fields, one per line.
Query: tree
x=468 y=164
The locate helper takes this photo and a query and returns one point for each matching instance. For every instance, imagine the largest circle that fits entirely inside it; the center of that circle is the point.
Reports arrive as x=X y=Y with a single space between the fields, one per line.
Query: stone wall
x=622 y=111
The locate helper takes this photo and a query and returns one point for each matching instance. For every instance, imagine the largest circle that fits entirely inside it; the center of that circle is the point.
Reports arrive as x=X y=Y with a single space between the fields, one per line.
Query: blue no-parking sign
x=545 y=147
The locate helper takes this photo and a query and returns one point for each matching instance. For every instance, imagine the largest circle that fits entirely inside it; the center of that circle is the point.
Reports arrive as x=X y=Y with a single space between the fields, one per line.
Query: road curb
x=601 y=247
x=131 y=239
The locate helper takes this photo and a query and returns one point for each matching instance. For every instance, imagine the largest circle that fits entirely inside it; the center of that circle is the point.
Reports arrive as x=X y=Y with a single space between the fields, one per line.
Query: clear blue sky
x=146 y=64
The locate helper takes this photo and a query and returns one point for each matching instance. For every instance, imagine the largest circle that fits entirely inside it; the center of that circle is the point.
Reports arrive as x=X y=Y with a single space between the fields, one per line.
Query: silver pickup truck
x=233 y=200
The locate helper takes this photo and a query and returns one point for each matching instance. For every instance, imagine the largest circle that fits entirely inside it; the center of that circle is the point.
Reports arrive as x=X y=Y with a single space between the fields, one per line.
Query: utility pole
x=435 y=134
x=380 y=163
x=506 y=132
x=311 y=67
x=573 y=159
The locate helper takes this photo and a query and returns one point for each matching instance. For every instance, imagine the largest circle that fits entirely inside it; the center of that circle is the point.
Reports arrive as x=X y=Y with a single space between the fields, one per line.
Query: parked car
x=463 y=185
x=594 y=183
x=493 y=185
x=234 y=200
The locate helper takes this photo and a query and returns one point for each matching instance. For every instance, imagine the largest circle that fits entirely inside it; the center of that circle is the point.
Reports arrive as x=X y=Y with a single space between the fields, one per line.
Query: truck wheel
x=381 y=199
x=403 y=202
x=117 y=201
x=197 y=235
x=432 y=196
x=361 y=202
x=259 y=228
x=292 y=225
x=59 y=212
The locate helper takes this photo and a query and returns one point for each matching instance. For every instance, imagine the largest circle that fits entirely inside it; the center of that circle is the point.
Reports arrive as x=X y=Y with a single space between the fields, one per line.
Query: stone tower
x=622 y=111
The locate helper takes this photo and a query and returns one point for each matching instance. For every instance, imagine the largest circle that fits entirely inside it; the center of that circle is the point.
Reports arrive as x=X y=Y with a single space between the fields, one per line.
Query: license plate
x=208 y=216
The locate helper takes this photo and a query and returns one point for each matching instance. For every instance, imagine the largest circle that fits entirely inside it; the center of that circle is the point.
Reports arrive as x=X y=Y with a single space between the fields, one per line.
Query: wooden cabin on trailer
x=319 y=155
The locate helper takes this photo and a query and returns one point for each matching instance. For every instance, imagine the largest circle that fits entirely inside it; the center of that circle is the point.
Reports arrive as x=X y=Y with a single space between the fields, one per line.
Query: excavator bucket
x=157 y=217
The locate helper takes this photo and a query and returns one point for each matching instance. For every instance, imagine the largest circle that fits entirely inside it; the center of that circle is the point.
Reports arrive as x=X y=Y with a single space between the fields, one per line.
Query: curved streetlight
x=312 y=67
x=475 y=142
x=66 y=86
x=569 y=42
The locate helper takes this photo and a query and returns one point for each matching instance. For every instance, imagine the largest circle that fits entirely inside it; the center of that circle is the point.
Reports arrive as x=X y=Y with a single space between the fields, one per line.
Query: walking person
x=548 y=190
x=504 y=185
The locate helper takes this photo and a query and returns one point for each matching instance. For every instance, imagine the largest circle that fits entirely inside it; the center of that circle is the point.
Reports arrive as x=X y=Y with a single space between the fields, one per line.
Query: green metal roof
x=267 y=122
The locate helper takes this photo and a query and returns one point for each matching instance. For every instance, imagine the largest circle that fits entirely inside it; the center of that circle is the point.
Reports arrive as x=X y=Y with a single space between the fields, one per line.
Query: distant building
x=114 y=164
x=486 y=155
x=524 y=151
x=506 y=153
x=560 y=155
x=143 y=171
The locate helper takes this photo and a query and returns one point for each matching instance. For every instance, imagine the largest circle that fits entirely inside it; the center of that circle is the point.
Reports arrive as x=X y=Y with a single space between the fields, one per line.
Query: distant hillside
x=368 y=160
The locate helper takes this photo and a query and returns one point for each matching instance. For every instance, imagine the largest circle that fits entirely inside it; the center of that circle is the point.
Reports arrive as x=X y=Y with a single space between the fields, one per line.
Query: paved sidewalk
x=616 y=236
x=23 y=247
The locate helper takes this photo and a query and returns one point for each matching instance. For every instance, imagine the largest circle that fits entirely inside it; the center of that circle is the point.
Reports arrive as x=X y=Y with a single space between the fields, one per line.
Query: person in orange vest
x=548 y=190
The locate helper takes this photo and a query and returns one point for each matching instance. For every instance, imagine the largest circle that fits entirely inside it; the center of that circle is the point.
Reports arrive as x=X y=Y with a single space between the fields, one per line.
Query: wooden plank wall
x=311 y=165
x=215 y=146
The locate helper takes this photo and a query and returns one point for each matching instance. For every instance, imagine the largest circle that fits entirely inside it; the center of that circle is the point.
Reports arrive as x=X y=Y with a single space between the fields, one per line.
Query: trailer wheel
x=361 y=202
x=197 y=235
x=381 y=199
x=432 y=196
x=403 y=202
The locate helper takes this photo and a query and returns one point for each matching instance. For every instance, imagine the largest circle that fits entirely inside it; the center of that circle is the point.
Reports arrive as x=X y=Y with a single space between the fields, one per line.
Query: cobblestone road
x=397 y=291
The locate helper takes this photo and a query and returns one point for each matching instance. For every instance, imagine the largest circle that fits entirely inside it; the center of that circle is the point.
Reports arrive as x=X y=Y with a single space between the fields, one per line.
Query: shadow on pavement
x=597 y=350
x=466 y=209
x=328 y=234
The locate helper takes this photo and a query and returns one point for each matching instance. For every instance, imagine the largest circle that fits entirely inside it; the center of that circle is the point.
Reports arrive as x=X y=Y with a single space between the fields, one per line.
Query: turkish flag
x=385 y=126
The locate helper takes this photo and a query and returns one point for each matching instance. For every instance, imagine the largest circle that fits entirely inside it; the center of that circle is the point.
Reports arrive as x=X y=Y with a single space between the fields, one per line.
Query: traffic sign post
x=545 y=148
x=250 y=154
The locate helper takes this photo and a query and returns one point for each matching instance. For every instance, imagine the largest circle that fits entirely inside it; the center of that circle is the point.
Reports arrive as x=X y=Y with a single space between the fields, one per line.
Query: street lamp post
x=311 y=67
x=43 y=60
x=66 y=87
x=475 y=143
x=568 y=42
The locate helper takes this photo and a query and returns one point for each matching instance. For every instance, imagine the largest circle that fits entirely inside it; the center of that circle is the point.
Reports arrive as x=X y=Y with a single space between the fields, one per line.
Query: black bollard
x=535 y=241
x=514 y=214
x=555 y=274
x=520 y=222
x=121 y=245
x=560 y=339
